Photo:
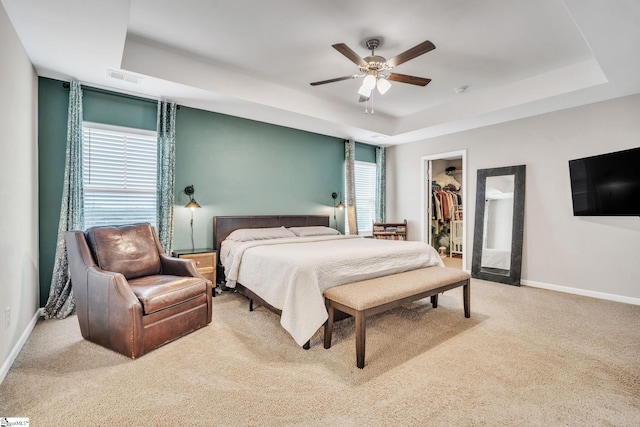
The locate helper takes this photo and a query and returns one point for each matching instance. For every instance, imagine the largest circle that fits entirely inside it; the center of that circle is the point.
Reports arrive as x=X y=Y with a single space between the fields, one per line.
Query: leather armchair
x=131 y=297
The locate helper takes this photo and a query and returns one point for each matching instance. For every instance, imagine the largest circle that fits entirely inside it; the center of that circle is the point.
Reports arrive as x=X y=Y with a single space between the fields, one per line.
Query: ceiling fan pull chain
x=369 y=103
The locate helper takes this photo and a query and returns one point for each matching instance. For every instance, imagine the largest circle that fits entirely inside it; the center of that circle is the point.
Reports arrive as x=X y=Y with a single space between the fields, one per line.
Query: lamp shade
x=383 y=86
x=366 y=92
x=192 y=204
x=369 y=82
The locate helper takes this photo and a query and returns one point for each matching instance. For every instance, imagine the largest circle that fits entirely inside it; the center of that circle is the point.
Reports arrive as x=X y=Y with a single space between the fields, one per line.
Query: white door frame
x=425 y=177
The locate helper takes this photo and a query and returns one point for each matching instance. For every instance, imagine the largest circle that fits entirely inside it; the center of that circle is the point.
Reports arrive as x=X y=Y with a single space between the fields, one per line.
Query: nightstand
x=205 y=262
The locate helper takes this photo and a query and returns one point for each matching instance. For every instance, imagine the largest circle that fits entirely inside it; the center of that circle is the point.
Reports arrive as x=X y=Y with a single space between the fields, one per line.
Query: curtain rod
x=66 y=85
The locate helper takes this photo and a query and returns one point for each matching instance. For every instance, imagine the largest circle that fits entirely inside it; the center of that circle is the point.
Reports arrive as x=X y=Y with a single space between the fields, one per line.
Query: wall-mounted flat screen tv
x=606 y=185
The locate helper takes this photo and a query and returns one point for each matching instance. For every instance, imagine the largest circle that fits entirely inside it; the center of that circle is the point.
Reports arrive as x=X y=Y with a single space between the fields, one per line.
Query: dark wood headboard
x=224 y=225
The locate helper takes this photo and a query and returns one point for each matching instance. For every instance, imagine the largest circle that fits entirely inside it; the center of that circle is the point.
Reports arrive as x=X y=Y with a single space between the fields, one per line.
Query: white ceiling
x=256 y=58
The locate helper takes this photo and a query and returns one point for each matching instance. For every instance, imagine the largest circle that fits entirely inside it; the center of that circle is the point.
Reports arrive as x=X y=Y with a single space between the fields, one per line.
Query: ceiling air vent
x=119 y=75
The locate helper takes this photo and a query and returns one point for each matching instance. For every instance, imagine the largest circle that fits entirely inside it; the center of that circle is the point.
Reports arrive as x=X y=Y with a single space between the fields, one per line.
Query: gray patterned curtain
x=60 y=303
x=381 y=184
x=166 y=172
x=350 y=184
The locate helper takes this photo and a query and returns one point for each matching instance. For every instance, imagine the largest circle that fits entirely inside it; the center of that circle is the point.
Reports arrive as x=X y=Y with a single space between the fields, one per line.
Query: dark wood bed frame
x=225 y=225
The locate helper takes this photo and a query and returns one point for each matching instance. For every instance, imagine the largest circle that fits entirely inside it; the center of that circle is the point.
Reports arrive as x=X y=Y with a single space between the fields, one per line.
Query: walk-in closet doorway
x=444 y=199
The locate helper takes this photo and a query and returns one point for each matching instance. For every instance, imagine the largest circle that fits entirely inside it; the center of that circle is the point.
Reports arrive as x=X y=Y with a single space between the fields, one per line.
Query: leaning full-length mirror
x=499 y=225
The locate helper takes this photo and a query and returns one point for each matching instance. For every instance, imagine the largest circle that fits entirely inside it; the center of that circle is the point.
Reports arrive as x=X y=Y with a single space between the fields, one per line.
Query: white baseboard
x=583 y=292
x=4 y=370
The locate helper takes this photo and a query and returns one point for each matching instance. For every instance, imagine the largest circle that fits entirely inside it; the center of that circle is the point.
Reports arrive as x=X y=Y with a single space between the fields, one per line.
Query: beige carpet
x=452 y=262
x=526 y=357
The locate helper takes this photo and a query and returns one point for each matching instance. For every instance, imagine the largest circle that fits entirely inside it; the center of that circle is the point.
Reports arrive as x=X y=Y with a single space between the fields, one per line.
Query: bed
x=286 y=262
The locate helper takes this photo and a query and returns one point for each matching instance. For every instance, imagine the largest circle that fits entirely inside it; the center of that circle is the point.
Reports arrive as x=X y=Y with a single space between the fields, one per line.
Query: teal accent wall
x=237 y=166
x=53 y=103
x=117 y=110
x=243 y=167
x=365 y=153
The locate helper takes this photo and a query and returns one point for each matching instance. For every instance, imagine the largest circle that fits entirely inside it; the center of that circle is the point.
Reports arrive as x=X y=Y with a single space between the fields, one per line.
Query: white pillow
x=248 y=234
x=314 y=231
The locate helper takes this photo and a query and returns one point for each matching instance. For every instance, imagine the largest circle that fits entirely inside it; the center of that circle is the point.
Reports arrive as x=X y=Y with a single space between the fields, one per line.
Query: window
x=119 y=173
x=365 y=177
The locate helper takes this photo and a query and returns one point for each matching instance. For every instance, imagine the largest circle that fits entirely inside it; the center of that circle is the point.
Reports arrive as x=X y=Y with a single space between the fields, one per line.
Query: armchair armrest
x=113 y=311
x=116 y=284
x=179 y=266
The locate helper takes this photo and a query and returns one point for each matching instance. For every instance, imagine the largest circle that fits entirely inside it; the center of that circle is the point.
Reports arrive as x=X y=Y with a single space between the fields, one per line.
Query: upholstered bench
x=373 y=296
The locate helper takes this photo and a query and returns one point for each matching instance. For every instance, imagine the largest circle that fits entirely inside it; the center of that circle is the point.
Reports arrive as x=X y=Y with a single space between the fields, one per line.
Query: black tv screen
x=606 y=185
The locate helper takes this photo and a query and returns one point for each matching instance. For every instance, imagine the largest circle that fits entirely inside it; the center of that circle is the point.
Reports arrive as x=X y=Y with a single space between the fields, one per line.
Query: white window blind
x=120 y=173
x=365 y=177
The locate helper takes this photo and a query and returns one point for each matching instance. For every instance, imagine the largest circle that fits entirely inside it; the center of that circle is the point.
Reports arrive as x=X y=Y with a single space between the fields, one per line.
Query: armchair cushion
x=159 y=292
x=126 y=249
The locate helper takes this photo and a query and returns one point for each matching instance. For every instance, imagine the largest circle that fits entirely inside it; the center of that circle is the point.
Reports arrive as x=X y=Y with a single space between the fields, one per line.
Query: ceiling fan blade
x=346 y=51
x=337 y=79
x=418 y=50
x=412 y=80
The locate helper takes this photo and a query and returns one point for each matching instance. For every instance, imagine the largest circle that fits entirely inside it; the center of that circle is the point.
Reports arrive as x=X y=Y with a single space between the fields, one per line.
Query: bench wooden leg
x=360 y=338
x=434 y=300
x=328 y=327
x=466 y=296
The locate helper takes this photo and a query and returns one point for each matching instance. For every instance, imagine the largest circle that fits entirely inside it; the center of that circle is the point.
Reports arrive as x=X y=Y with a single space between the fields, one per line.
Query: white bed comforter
x=291 y=274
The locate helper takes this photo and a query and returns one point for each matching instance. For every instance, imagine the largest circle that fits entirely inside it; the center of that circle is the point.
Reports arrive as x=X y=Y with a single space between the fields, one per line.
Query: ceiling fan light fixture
x=369 y=82
x=364 y=91
x=383 y=86
x=374 y=69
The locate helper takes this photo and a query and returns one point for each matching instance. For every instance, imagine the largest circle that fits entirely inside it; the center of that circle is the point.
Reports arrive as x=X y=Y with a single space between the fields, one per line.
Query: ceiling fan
x=376 y=69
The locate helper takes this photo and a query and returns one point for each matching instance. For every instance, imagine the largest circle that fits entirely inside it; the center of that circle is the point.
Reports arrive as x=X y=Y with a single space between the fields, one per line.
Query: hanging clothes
x=447 y=205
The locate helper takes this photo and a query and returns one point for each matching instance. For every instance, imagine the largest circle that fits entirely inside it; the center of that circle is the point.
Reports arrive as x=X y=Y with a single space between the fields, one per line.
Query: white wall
x=19 y=288
x=589 y=255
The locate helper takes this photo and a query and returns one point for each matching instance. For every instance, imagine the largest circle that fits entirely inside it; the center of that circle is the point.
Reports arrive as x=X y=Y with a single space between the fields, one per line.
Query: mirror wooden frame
x=513 y=275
